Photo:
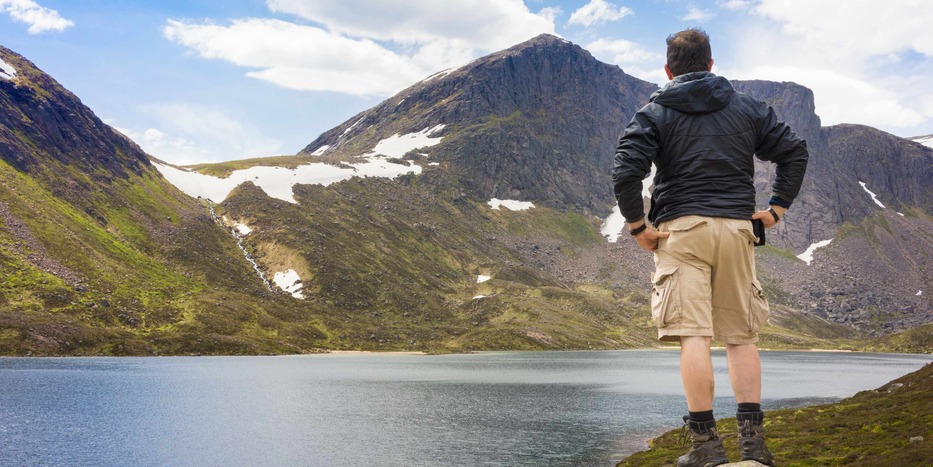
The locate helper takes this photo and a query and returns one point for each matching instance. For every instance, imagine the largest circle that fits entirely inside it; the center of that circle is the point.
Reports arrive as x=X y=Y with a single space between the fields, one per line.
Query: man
x=701 y=136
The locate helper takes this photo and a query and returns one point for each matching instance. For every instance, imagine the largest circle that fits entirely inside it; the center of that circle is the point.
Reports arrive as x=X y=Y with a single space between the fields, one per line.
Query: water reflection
x=495 y=409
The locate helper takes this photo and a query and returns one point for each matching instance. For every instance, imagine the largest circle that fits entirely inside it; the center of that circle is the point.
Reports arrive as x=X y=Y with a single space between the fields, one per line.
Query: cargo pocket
x=685 y=223
x=758 y=311
x=665 y=297
x=749 y=234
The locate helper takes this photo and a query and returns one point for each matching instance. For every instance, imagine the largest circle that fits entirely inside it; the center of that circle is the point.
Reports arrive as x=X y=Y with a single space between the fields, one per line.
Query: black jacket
x=701 y=135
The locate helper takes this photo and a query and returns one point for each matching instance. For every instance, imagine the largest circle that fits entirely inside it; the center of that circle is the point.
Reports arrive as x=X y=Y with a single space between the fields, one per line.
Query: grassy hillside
x=891 y=425
x=100 y=255
x=398 y=262
x=147 y=271
x=395 y=265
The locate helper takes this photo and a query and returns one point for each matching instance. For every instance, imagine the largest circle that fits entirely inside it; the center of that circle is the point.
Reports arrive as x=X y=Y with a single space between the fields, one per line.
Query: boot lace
x=685 y=432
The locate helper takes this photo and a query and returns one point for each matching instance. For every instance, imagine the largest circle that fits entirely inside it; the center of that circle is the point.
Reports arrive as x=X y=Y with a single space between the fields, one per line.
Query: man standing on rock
x=701 y=135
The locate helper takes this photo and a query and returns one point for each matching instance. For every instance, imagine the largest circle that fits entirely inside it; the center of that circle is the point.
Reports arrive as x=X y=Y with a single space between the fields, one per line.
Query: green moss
x=495 y=121
x=225 y=169
x=572 y=227
x=872 y=428
x=918 y=340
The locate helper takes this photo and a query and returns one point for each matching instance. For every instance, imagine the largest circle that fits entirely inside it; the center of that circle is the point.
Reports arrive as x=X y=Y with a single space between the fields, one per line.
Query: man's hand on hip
x=649 y=237
x=767 y=217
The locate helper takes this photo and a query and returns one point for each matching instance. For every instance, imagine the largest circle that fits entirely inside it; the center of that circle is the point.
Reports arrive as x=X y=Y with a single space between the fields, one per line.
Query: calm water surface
x=487 y=409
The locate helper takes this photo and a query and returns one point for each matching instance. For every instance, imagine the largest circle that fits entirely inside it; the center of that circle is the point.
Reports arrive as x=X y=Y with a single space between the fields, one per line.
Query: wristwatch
x=638 y=230
x=773 y=213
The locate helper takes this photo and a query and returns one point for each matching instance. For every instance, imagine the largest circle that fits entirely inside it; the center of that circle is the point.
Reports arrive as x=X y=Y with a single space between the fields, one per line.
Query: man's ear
x=710 y=64
x=668 y=71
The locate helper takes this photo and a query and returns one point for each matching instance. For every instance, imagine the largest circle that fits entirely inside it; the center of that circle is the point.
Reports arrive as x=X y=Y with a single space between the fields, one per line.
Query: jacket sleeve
x=637 y=148
x=778 y=144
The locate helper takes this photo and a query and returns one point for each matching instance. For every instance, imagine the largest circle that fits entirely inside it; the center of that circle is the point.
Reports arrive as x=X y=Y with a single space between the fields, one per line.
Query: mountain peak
x=544 y=39
x=540 y=42
x=520 y=122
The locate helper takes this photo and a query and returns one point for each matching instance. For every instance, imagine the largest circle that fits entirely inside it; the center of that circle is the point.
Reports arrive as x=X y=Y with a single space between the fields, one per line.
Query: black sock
x=749 y=407
x=702 y=422
x=704 y=416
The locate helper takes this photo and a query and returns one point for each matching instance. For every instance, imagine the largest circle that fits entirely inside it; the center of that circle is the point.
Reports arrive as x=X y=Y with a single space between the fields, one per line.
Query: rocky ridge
x=395 y=263
x=860 y=280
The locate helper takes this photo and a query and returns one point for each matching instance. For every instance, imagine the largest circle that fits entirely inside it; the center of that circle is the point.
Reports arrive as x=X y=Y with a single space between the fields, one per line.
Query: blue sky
x=201 y=81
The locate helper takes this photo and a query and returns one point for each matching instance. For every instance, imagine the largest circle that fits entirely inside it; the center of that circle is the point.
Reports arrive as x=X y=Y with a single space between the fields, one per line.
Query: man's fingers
x=663 y=234
x=760 y=214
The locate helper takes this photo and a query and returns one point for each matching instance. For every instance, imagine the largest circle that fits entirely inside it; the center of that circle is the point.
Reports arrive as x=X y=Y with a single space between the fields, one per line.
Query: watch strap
x=774 y=214
x=638 y=230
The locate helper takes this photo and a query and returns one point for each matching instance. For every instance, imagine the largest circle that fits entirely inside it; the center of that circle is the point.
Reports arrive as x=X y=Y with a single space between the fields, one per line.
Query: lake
x=485 y=409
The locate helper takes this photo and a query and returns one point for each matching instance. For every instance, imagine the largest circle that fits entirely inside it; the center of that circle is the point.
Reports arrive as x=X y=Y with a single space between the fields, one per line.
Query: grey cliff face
x=37 y=108
x=540 y=122
x=537 y=122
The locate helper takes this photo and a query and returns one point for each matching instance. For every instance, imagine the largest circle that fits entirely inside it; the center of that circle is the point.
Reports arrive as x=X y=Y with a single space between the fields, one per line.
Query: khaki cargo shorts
x=704 y=282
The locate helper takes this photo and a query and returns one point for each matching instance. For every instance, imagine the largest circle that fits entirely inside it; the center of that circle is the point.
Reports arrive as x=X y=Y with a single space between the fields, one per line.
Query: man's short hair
x=688 y=51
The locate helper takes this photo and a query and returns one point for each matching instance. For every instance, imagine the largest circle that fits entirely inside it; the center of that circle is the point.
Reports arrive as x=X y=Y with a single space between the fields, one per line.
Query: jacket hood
x=693 y=93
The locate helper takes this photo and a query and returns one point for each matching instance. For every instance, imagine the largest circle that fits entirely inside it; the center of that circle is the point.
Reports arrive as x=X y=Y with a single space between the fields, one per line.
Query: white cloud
x=598 y=11
x=491 y=24
x=635 y=59
x=377 y=50
x=623 y=51
x=282 y=53
x=865 y=64
x=863 y=27
x=842 y=98
x=190 y=134
x=697 y=15
x=736 y=4
x=39 y=18
x=550 y=13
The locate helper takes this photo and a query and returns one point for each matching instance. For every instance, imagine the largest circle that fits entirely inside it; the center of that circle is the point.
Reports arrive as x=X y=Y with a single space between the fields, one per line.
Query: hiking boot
x=752 y=438
x=707 y=449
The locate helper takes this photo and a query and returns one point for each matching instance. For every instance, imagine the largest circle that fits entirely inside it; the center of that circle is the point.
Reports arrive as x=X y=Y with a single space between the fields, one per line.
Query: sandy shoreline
x=677 y=348
x=375 y=352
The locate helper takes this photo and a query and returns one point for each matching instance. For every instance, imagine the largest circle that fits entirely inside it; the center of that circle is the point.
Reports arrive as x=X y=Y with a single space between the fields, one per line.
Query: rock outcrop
x=536 y=122
x=540 y=121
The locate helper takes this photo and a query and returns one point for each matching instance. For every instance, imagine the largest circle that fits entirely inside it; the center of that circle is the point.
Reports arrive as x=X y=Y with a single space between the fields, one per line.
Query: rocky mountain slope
x=100 y=255
x=415 y=251
x=538 y=122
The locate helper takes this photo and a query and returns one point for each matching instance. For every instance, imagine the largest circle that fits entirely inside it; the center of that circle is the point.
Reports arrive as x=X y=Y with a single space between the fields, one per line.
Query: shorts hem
x=673 y=334
x=737 y=340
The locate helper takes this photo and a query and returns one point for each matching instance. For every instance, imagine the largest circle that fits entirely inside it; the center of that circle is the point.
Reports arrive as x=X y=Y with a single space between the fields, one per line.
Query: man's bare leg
x=744 y=372
x=696 y=370
x=745 y=375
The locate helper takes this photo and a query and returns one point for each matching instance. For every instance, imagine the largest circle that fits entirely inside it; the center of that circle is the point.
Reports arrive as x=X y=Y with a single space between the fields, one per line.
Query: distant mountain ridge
x=414 y=252
x=544 y=101
x=536 y=122
x=99 y=255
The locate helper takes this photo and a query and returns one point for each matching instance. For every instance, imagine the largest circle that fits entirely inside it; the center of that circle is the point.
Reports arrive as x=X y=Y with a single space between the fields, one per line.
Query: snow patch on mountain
x=6 y=70
x=399 y=145
x=321 y=150
x=925 y=140
x=807 y=256
x=351 y=127
x=613 y=225
x=290 y=282
x=648 y=182
x=510 y=204
x=277 y=182
x=873 y=196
